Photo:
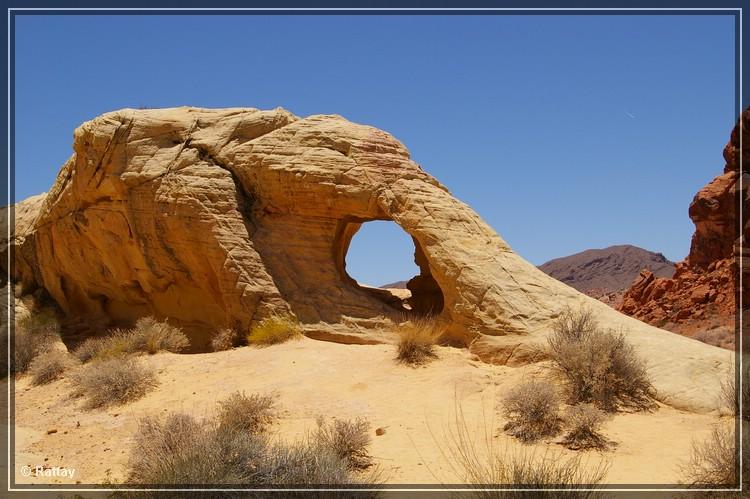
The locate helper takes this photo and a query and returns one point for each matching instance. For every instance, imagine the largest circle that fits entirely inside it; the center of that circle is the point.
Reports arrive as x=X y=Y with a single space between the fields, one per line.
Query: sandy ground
x=415 y=406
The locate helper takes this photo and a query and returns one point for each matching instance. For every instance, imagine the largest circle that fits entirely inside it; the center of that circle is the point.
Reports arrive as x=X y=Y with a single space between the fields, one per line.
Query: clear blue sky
x=563 y=132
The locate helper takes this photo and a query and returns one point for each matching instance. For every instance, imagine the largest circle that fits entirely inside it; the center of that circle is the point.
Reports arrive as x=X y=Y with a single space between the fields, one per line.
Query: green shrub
x=600 y=366
x=532 y=410
x=113 y=381
x=273 y=330
x=417 y=338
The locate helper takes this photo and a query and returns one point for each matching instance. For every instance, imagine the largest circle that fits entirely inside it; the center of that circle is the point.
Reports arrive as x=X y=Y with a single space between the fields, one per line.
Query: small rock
x=380 y=431
x=53 y=430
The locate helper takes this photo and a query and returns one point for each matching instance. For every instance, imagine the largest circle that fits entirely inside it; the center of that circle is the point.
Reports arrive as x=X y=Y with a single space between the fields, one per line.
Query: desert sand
x=415 y=406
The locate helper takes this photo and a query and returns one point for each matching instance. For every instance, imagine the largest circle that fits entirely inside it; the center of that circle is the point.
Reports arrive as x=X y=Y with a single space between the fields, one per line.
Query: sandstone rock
x=702 y=292
x=219 y=218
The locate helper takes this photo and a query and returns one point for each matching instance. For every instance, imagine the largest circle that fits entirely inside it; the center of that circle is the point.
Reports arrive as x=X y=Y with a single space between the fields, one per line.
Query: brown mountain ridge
x=604 y=273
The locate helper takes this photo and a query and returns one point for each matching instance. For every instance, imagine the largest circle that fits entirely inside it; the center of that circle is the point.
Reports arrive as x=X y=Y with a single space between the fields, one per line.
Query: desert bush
x=183 y=450
x=223 y=339
x=33 y=334
x=417 y=338
x=600 y=366
x=584 y=424
x=532 y=409
x=49 y=366
x=117 y=343
x=148 y=336
x=40 y=324
x=247 y=413
x=346 y=439
x=113 y=382
x=713 y=462
x=152 y=336
x=478 y=461
x=729 y=396
x=273 y=330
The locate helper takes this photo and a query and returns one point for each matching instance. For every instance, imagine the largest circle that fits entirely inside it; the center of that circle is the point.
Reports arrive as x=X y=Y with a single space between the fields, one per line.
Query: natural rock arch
x=220 y=217
x=426 y=296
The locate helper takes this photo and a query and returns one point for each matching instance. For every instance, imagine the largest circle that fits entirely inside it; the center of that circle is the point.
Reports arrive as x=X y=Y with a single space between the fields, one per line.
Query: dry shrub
x=417 y=338
x=729 y=396
x=274 y=329
x=181 y=450
x=224 y=339
x=33 y=335
x=482 y=464
x=152 y=336
x=247 y=413
x=714 y=461
x=49 y=366
x=347 y=439
x=113 y=382
x=116 y=344
x=600 y=366
x=532 y=409
x=148 y=335
x=584 y=424
x=722 y=337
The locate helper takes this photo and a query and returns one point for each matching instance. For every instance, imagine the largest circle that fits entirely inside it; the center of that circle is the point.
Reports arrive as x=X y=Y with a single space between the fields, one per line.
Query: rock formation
x=219 y=218
x=700 y=299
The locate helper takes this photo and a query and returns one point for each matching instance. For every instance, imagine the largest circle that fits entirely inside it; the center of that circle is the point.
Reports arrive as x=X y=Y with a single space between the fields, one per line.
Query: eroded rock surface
x=218 y=218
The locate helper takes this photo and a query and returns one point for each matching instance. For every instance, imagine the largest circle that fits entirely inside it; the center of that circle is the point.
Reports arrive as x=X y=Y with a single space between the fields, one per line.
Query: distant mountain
x=394 y=285
x=606 y=273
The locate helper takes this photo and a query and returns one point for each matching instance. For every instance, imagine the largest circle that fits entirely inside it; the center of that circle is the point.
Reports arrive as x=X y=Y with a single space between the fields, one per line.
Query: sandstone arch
x=218 y=218
x=426 y=296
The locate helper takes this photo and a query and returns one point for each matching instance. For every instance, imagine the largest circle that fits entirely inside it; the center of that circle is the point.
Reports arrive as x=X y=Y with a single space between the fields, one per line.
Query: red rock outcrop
x=700 y=300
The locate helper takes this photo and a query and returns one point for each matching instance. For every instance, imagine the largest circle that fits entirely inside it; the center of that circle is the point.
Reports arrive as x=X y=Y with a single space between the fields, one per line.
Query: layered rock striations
x=220 y=218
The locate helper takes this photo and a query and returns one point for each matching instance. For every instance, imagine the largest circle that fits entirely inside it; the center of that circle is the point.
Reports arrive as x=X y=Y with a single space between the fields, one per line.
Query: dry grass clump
x=113 y=382
x=274 y=329
x=50 y=366
x=729 y=396
x=714 y=461
x=417 y=339
x=224 y=339
x=148 y=336
x=247 y=413
x=600 y=366
x=584 y=424
x=152 y=336
x=532 y=409
x=481 y=463
x=33 y=335
x=181 y=450
x=347 y=439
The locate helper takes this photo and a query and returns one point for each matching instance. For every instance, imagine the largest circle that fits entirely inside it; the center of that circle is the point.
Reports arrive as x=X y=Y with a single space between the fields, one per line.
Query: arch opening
x=379 y=257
